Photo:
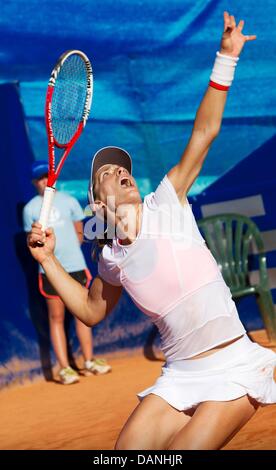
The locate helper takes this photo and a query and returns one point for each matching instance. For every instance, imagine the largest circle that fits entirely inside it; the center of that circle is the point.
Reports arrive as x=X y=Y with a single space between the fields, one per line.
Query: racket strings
x=69 y=99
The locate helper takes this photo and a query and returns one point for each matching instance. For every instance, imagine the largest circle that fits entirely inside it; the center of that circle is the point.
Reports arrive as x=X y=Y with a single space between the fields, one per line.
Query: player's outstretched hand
x=233 y=39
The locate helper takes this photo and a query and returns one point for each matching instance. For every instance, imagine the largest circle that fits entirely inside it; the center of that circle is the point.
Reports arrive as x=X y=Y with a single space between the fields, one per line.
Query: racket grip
x=46 y=207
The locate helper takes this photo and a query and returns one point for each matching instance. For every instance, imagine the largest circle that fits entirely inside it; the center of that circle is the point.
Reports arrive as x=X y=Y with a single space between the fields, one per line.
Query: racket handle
x=46 y=207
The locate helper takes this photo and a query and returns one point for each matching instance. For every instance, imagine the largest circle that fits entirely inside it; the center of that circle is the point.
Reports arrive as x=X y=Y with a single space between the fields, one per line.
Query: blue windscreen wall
x=152 y=61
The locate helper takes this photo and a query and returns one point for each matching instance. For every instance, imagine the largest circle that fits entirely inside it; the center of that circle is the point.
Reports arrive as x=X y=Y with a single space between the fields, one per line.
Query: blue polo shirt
x=65 y=211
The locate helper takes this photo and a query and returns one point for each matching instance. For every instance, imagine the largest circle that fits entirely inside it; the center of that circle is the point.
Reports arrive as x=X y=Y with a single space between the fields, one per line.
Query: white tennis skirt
x=242 y=368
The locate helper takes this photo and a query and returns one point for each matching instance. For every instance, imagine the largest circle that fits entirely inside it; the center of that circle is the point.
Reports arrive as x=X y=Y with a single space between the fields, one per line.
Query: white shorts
x=242 y=368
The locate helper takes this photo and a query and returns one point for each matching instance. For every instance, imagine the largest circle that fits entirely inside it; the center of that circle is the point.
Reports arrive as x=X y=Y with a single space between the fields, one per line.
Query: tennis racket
x=68 y=103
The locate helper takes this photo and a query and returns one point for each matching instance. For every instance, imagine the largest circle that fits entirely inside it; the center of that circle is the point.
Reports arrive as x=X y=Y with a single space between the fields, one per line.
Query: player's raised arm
x=89 y=306
x=209 y=114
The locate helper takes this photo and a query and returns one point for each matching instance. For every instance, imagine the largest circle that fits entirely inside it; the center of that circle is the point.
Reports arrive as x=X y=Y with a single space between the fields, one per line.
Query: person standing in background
x=66 y=218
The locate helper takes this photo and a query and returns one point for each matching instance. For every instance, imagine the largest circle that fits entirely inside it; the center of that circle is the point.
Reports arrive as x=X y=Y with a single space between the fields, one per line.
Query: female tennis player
x=214 y=377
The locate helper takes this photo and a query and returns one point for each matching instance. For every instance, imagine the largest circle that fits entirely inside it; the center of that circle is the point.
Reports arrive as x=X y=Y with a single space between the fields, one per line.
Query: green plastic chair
x=229 y=237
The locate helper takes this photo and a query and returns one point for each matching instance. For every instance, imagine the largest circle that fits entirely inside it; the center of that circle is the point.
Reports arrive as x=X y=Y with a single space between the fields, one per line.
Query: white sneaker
x=97 y=366
x=68 y=376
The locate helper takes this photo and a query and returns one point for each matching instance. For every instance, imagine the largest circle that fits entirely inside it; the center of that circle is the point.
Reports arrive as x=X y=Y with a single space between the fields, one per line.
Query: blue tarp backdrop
x=152 y=61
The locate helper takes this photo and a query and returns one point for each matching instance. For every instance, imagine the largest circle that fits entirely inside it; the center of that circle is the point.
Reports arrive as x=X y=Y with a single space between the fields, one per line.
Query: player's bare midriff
x=217 y=348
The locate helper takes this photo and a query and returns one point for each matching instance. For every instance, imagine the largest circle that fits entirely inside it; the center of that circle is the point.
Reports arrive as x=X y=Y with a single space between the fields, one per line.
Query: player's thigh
x=214 y=423
x=152 y=425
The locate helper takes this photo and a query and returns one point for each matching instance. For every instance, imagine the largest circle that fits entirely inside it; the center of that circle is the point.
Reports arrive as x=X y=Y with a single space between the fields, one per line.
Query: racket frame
x=53 y=172
x=52 y=142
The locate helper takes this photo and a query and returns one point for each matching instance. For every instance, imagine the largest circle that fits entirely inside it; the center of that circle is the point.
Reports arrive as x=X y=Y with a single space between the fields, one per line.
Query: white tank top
x=173 y=278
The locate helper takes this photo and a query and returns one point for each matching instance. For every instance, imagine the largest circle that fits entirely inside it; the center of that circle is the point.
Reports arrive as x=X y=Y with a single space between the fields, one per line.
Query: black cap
x=105 y=156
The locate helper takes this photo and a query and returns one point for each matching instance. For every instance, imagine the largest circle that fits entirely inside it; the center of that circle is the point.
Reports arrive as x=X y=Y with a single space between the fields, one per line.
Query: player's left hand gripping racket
x=68 y=103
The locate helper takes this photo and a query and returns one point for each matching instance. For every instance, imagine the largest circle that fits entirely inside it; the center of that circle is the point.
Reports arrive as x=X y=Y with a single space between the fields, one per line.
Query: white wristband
x=224 y=69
